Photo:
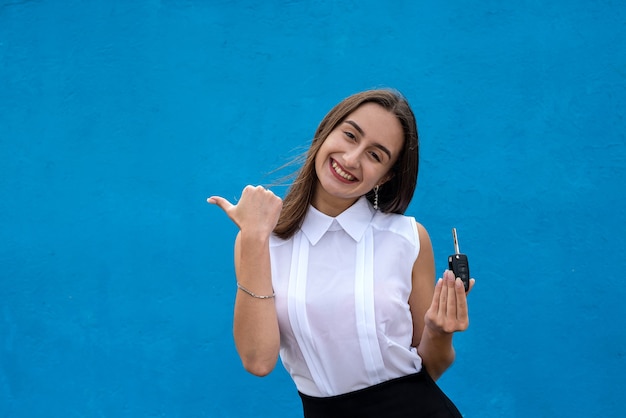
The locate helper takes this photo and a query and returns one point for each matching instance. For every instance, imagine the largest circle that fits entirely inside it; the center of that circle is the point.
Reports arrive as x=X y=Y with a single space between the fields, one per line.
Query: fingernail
x=458 y=282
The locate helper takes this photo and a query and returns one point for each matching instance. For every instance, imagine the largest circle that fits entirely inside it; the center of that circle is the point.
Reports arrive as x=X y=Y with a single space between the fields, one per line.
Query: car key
x=457 y=262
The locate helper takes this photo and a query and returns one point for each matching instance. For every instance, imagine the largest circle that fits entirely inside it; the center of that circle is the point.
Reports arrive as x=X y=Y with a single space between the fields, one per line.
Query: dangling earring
x=376 y=197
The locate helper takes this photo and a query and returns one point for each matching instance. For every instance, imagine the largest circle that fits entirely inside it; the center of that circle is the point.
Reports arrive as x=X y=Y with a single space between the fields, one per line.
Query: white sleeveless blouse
x=342 y=288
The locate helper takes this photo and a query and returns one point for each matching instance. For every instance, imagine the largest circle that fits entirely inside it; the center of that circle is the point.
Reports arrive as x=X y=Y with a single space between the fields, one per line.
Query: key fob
x=458 y=263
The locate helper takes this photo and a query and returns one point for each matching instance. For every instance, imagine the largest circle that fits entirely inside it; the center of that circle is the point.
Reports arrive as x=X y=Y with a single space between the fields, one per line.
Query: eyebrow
x=377 y=145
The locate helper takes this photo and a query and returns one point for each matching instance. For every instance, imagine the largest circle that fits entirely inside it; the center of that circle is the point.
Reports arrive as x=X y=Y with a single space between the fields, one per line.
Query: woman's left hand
x=448 y=311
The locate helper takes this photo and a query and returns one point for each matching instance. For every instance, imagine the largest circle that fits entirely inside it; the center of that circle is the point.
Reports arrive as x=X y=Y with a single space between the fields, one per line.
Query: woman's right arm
x=255 y=325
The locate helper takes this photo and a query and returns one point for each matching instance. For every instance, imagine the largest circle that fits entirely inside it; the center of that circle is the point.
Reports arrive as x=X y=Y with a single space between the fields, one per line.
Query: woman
x=339 y=282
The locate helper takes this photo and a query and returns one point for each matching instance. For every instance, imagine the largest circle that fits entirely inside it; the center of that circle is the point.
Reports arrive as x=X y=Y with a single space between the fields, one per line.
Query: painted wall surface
x=118 y=119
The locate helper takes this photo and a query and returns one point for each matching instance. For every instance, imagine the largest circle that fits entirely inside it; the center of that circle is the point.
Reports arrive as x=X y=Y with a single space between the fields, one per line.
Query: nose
x=351 y=158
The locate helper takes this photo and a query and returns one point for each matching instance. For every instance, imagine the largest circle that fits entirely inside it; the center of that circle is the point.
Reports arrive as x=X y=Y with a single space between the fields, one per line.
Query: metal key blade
x=456 y=241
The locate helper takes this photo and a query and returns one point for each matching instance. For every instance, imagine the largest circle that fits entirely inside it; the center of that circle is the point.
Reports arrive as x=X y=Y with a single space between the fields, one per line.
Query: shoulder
x=422 y=233
x=402 y=225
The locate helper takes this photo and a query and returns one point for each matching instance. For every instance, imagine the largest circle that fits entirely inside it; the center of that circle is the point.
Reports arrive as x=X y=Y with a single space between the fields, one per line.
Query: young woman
x=339 y=282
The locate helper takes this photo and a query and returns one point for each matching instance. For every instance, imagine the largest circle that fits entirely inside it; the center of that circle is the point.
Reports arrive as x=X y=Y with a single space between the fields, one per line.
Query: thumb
x=222 y=203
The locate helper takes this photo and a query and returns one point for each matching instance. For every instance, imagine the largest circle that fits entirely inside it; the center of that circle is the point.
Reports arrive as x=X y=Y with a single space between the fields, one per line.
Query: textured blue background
x=118 y=119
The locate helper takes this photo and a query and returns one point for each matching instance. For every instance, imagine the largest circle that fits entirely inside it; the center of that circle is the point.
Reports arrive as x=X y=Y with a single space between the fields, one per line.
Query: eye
x=375 y=156
x=350 y=135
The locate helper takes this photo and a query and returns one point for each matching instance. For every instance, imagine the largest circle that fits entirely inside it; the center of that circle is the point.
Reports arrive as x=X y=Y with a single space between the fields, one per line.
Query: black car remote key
x=457 y=262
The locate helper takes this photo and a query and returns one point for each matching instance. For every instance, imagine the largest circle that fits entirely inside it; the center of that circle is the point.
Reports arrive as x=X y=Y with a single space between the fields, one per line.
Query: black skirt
x=416 y=395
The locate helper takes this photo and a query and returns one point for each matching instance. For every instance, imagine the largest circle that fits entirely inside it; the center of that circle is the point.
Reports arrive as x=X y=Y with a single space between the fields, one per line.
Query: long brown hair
x=394 y=196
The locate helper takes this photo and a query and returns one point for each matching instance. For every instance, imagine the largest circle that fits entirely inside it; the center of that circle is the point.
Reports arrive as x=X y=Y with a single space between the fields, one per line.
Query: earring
x=376 y=197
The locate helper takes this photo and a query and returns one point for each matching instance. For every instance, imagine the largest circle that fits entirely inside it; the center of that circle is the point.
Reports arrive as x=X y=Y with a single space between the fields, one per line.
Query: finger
x=441 y=296
x=451 y=297
x=254 y=193
x=222 y=203
x=443 y=299
x=435 y=304
x=471 y=286
x=270 y=192
x=250 y=188
x=461 y=300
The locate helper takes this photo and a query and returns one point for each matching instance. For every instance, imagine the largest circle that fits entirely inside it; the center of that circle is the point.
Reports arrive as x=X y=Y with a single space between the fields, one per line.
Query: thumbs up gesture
x=257 y=210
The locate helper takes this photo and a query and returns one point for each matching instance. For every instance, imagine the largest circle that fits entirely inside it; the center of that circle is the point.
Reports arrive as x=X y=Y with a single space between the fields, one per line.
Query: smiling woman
x=338 y=282
x=397 y=193
x=356 y=157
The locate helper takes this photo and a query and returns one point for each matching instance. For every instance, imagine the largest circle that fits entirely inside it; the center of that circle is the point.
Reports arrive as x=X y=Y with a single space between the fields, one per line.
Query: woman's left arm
x=438 y=310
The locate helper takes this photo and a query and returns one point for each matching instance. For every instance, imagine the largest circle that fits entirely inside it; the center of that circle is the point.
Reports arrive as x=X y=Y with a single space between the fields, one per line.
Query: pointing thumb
x=222 y=203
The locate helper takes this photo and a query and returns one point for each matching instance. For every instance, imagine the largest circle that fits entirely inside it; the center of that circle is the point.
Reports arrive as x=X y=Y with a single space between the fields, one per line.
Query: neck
x=330 y=205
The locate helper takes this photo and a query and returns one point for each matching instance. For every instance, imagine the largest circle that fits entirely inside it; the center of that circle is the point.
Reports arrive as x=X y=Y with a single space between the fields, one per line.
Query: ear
x=385 y=178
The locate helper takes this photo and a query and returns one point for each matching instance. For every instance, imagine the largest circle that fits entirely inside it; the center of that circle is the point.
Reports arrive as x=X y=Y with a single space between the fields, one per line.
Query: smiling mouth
x=340 y=172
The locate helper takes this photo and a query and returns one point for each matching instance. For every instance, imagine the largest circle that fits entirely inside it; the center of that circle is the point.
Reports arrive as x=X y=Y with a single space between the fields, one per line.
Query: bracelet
x=254 y=295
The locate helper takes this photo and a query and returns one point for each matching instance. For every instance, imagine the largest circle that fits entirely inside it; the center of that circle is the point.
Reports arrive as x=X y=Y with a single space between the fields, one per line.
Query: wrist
x=254 y=236
x=254 y=295
x=436 y=334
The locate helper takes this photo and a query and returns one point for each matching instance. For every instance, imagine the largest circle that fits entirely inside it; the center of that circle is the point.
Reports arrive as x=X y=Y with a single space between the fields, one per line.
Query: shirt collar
x=353 y=220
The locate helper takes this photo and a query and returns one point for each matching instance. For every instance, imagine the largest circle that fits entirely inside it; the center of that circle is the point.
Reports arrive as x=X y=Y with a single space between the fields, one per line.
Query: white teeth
x=342 y=173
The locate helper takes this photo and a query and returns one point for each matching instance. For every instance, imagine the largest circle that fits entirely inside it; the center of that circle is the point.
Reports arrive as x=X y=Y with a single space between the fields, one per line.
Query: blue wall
x=118 y=119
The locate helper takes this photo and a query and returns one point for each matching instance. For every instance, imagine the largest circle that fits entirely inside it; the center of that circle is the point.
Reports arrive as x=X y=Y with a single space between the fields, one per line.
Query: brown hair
x=394 y=196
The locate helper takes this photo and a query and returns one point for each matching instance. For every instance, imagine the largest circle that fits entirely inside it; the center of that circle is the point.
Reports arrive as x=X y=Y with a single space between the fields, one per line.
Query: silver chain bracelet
x=254 y=295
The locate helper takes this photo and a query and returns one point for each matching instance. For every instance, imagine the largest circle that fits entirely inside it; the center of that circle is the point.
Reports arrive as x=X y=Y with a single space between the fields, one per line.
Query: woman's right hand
x=255 y=324
x=257 y=210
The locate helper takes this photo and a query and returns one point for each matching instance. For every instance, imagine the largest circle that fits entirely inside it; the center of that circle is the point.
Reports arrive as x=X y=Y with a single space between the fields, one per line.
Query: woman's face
x=356 y=156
